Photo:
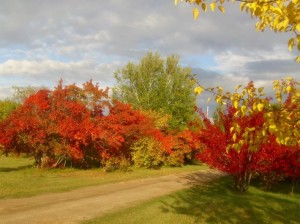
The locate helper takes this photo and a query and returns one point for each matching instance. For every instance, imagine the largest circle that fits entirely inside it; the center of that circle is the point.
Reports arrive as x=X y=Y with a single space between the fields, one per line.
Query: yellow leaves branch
x=278 y=15
x=281 y=119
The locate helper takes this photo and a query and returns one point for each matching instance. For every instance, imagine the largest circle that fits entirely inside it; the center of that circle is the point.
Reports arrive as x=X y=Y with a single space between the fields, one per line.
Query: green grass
x=18 y=178
x=212 y=203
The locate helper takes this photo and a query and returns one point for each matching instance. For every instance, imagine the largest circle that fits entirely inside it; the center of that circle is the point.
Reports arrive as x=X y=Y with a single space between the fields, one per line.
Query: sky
x=44 y=41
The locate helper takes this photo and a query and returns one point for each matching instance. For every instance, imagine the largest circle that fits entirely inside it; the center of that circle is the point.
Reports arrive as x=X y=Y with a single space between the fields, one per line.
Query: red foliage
x=215 y=138
x=267 y=157
x=284 y=160
x=54 y=124
x=113 y=134
x=69 y=123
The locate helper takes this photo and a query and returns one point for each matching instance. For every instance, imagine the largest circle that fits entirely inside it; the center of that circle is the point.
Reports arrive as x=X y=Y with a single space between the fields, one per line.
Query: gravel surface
x=90 y=202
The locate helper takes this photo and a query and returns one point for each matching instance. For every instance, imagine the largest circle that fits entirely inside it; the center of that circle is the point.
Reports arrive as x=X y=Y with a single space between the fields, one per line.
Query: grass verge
x=18 y=177
x=212 y=203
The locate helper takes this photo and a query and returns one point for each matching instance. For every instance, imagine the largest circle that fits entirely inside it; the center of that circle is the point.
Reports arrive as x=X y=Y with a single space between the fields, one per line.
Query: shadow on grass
x=282 y=187
x=215 y=202
x=11 y=169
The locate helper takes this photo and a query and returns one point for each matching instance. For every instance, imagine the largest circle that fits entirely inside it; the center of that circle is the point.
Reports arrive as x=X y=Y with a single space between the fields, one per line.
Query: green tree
x=158 y=84
x=6 y=107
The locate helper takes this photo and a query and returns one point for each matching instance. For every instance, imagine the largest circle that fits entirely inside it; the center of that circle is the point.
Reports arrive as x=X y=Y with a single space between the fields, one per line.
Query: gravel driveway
x=90 y=202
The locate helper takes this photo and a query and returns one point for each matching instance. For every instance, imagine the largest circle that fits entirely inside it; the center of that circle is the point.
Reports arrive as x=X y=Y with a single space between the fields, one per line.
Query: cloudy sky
x=44 y=41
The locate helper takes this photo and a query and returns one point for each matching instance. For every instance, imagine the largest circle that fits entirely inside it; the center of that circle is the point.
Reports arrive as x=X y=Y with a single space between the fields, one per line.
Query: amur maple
x=83 y=127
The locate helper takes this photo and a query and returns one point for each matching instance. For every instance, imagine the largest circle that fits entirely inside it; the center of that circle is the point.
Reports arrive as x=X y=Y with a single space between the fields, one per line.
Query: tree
x=67 y=126
x=6 y=107
x=159 y=85
x=251 y=123
x=282 y=115
x=21 y=93
x=278 y=15
x=115 y=133
x=54 y=126
x=267 y=159
x=220 y=151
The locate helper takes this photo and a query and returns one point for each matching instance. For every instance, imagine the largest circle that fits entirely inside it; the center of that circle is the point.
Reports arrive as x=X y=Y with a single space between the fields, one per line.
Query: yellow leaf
x=243 y=4
x=198 y=90
x=298 y=27
x=221 y=8
x=235 y=104
x=278 y=96
x=286 y=140
x=260 y=107
x=175 y=2
x=213 y=6
x=297 y=59
x=243 y=109
x=234 y=137
x=288 y=89
x=272 y=128
x=251 y=129
x=291 y=44
x=231 y=129
x=238 y=86
x=261 y=89
x=208 y=100
x=196 y=13
x=204 y=7
x=278 y=140
x=241 y=142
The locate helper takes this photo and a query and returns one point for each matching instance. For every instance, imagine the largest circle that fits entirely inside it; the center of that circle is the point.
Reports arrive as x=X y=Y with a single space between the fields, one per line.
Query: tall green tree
x=6 y=107
x=158 y=84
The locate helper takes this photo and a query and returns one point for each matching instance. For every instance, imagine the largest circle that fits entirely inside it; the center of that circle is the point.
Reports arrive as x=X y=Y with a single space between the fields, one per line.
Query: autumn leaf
x=196 y=13
x=243 y=109
x=213 y=6
x=204 y=6
x=235 y=104
x=260 y=107
x=198 y=90
x=221 y=8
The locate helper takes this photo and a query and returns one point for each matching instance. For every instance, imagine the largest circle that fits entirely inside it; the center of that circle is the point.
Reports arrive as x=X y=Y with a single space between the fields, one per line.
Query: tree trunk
x=242 y=181
x=38 y=159
x=293 y=185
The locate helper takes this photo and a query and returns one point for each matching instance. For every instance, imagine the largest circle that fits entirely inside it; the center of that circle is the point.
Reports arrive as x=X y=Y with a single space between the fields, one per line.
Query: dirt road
x=90 y=202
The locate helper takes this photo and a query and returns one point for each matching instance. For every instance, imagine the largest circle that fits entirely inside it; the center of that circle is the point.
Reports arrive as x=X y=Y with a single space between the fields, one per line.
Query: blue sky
x=44 y=41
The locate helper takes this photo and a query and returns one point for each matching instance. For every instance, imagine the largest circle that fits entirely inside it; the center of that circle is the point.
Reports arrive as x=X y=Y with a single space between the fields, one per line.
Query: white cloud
x=43 y=41
x=48 y=72
x=5 y=92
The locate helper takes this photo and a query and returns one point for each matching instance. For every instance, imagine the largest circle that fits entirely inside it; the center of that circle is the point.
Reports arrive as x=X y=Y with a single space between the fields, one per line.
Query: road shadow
x=200 y=178
x=215 y=202
x=11 y=169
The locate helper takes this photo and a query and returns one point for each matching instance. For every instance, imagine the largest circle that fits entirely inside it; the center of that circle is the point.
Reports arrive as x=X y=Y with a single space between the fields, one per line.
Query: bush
x=148 y=152
x=116 y=163
x=268 y=180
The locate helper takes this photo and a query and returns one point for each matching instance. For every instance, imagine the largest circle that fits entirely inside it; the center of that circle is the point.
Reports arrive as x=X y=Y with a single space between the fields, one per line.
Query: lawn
x=213 y=203
x=18 y=177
